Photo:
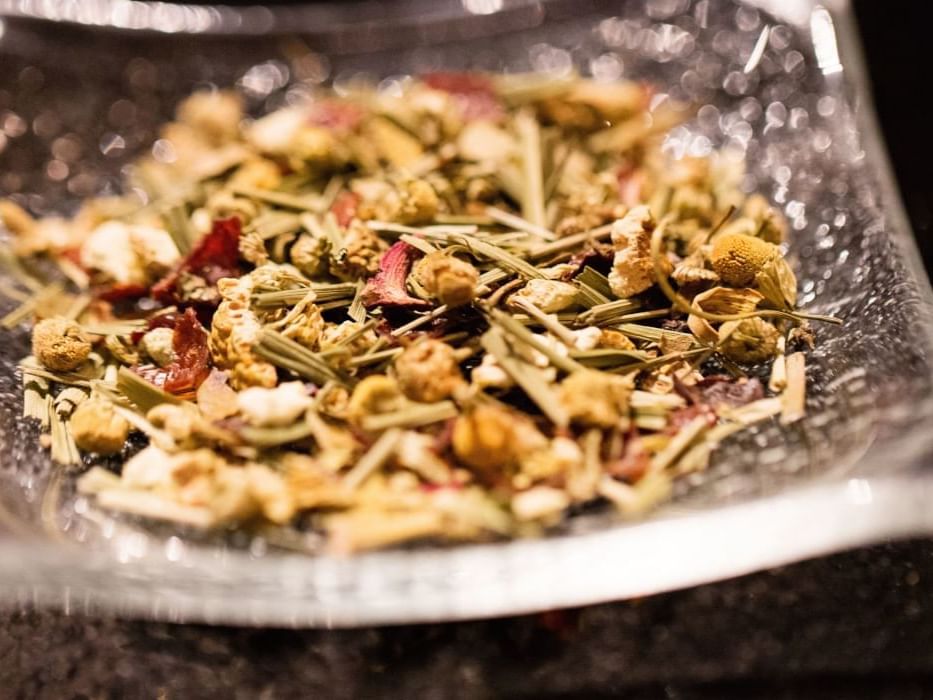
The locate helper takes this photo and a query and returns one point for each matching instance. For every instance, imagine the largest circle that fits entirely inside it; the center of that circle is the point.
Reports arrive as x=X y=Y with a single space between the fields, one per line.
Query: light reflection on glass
x=823 y=35
x=482 y=7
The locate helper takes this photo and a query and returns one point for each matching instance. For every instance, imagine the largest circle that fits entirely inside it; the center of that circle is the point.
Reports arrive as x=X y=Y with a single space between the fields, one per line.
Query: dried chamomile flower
x=234 y=331
x=595 y=398
x=128 y=254
x=632 y=266
x=560 y=457
x=375 y=394
x=252 y=248
x=550 y=296
x=97 y=427
x=59 y=344
x=451 y=280
x=256 y=173
x=214 y=115
x=769 y=223
x=158 y=344
x=418 y=203
x=428 y=371
x=749 y=340
x=224 y=204
x=490 y=438
x=304 y=324
x=360 y=255
x=349 y=337
x=309 y=255
x=280 y=406
x=737 y=258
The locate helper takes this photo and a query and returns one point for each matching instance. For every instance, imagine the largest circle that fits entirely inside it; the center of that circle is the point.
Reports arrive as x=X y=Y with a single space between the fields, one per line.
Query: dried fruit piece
x=97 y=427
x=60 y=344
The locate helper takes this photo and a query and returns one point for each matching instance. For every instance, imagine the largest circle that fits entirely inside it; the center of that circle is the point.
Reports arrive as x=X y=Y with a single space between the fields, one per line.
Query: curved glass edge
x=523 y=576
x=494 y=580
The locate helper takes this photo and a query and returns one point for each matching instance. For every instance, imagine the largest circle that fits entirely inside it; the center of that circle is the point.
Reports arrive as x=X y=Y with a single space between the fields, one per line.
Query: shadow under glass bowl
x=84 y=88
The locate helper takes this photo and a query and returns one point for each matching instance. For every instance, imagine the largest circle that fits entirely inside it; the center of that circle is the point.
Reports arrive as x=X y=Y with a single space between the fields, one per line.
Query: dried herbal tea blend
x=450 y=314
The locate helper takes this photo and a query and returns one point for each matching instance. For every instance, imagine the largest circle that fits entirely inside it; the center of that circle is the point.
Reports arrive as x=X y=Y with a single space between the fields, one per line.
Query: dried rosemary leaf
x=323 y=292
x=529 y=136
x=357 y=310
x=127 y=327
x=501 y=257
x=607 y=357
x=608 y=312
x=417 y=242
x=64 y=450
x=528 y=377
x=597 y=281
x=30 y=306
x=288 y=354
x=310 y=202
x=411 y=416
x=521 y=334
x=178 y=225
x=275 y=223
x=517 y=222
x=652 y=334
x=143 y=394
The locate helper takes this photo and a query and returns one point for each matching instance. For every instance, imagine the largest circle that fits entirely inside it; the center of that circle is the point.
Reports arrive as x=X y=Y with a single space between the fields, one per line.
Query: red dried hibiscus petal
x=335 y=115
x=191 y=366
x=213 y=258
x=474 y=93
x=344 y=207
x=387 y=288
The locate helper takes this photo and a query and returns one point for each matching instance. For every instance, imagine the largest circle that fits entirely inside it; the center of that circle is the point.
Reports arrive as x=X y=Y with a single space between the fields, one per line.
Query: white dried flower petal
x=632 y=267
x=489 y=374
x=539 y=503
x=158 y=344
x=550 y=296
x=274 y=407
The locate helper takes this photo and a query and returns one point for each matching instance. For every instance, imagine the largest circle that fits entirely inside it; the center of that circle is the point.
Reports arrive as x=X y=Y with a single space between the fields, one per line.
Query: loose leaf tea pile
x=453 y=311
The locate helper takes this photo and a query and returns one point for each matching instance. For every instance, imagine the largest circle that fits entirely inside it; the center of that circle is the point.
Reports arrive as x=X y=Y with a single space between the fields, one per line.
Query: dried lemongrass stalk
x=794 y=397
x=375 y=457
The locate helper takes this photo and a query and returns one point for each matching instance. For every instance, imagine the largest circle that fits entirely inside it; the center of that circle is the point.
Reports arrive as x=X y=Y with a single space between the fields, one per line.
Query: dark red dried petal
x=474 y=93
x=121 y=292
x=344 y=207
x=213 y=258
x=387 y=288
x=336 y=115
x=192 y=355
x=682 y=416
x=633 y=464
x=732 y=394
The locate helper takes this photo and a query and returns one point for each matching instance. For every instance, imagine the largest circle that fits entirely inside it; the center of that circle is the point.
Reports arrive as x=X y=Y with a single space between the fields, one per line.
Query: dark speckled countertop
x=854 y=625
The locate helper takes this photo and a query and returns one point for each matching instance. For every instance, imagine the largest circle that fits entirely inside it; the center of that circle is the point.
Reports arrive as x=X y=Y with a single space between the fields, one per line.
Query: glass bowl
x=83 y=89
